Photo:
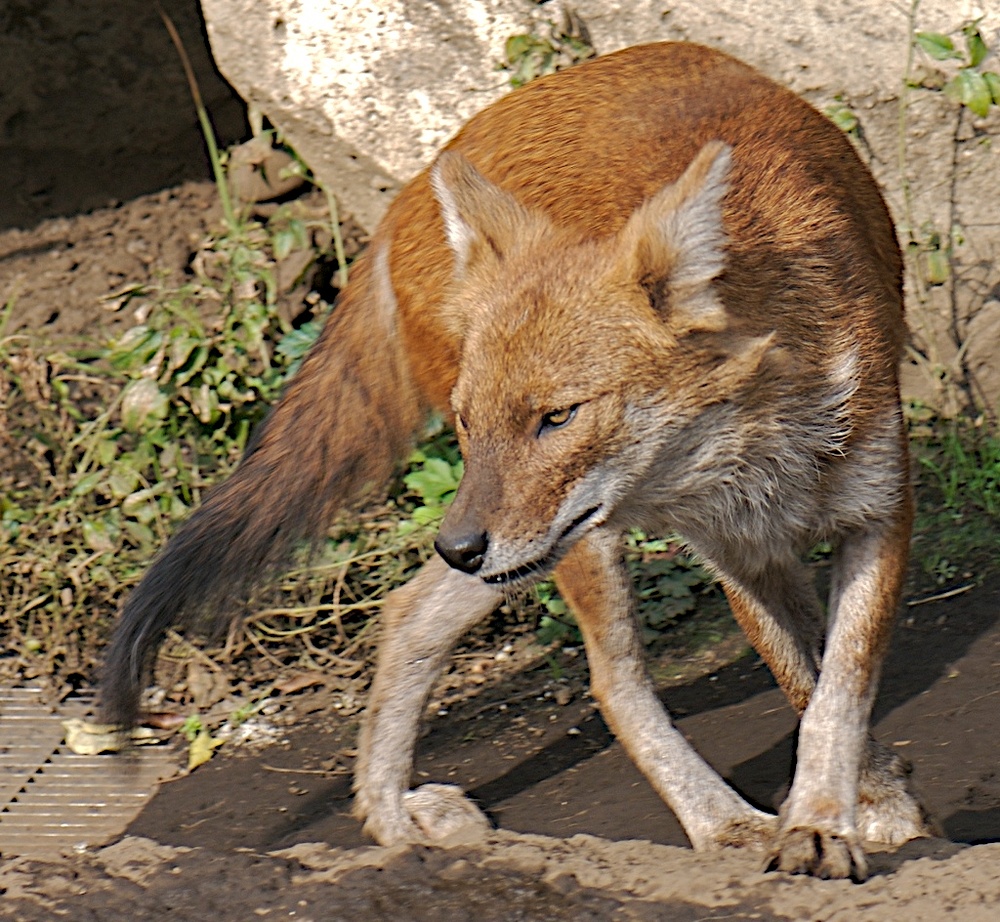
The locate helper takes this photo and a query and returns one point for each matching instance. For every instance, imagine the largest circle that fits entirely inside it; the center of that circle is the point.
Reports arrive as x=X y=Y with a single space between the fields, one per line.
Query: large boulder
x=368 y=90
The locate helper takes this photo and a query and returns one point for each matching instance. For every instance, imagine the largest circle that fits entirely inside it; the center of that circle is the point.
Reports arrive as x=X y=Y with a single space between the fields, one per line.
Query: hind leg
x=889 y=812
x=421 y=622
x=781 y=615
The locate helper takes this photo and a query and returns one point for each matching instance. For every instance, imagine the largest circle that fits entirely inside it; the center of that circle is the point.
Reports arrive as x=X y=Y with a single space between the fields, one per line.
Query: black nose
x=463 y=552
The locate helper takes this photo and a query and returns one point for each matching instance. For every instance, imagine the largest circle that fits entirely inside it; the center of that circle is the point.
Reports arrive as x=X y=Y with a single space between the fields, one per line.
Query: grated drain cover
x=52 y=799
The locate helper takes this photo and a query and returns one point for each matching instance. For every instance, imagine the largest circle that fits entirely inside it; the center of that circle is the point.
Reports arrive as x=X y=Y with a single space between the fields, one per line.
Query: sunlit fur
x=690 y=271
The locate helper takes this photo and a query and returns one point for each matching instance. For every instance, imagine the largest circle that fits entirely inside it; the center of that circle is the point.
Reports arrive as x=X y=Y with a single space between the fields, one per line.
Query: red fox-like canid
x=656 y=290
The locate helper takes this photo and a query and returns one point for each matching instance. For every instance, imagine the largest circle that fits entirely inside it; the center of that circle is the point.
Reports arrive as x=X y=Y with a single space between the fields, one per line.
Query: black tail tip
x=119 y=694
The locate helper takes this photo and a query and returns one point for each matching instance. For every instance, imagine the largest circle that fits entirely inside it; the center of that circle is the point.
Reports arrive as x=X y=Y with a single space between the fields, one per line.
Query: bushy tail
x=343 y=422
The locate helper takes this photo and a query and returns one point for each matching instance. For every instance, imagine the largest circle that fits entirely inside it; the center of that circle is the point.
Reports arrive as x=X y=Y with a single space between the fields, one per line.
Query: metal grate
x=52 y=799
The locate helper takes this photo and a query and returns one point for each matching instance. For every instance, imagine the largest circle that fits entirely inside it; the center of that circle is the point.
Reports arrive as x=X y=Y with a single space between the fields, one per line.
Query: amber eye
x=556 y=419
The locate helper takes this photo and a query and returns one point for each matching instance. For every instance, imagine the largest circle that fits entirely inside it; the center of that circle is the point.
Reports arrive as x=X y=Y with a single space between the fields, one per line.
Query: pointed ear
x=675 y=243
x=481 y=220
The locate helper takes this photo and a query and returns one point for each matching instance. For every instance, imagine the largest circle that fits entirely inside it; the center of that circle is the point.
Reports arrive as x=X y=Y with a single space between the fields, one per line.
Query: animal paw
x=821 y=853
x=894 y=820
x=888 y=811
x=425 y=815
x=441 y=810
x=754 y=831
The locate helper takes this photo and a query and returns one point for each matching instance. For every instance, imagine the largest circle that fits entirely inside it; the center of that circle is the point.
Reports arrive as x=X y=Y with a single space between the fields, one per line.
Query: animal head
x=578 y=358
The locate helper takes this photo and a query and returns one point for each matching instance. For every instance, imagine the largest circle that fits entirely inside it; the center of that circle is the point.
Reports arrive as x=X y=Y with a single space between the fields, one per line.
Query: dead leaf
x=299 y=681
x=206 y=686
x=202 y=749
x=164 y=720
x=258 y=172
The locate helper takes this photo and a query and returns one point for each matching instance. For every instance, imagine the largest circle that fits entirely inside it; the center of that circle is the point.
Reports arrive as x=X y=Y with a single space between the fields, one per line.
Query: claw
x=829 y=856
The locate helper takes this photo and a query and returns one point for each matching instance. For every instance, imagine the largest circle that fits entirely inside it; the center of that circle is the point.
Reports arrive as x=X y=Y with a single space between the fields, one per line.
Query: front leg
x=819 y=833
x=594 y=581
x=421 y=622
x=779 y=611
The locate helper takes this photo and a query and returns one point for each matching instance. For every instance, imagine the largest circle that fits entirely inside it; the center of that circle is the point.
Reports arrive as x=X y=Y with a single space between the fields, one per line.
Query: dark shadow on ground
x=538 y=767
x=95 y=107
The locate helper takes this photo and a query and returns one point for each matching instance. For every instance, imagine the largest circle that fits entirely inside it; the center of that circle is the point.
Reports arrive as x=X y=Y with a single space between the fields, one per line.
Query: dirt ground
x=268 y=833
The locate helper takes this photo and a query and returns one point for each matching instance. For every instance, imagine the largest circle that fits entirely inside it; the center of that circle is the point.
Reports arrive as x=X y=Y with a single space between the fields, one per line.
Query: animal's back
x=805 y=222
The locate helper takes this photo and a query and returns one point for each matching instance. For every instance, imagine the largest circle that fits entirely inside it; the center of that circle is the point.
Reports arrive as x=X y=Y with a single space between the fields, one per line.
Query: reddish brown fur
x=568 y=285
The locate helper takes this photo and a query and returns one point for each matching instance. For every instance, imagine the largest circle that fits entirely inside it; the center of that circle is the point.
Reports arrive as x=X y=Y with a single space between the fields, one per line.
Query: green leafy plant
x=250 y=708
x=953 y=65
x=191 y=727
x=972 y=86
x=115 y=442
x=557 y=624
x=958 y=475
x=435 y=470
x=531 y=55
x=182 y=366
x=215 y=159
x=844 y=117
x=668 y=581
x=668 y=586
x=201 y=743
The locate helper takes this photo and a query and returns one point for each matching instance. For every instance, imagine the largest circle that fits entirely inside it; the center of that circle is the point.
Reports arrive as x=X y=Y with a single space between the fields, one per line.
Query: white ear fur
x=694 y=225
x=481 y=220
x=457 y=231
x=679 y=239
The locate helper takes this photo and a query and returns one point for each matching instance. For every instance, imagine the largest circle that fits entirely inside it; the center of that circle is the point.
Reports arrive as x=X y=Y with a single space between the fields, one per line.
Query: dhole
x=656 y=290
